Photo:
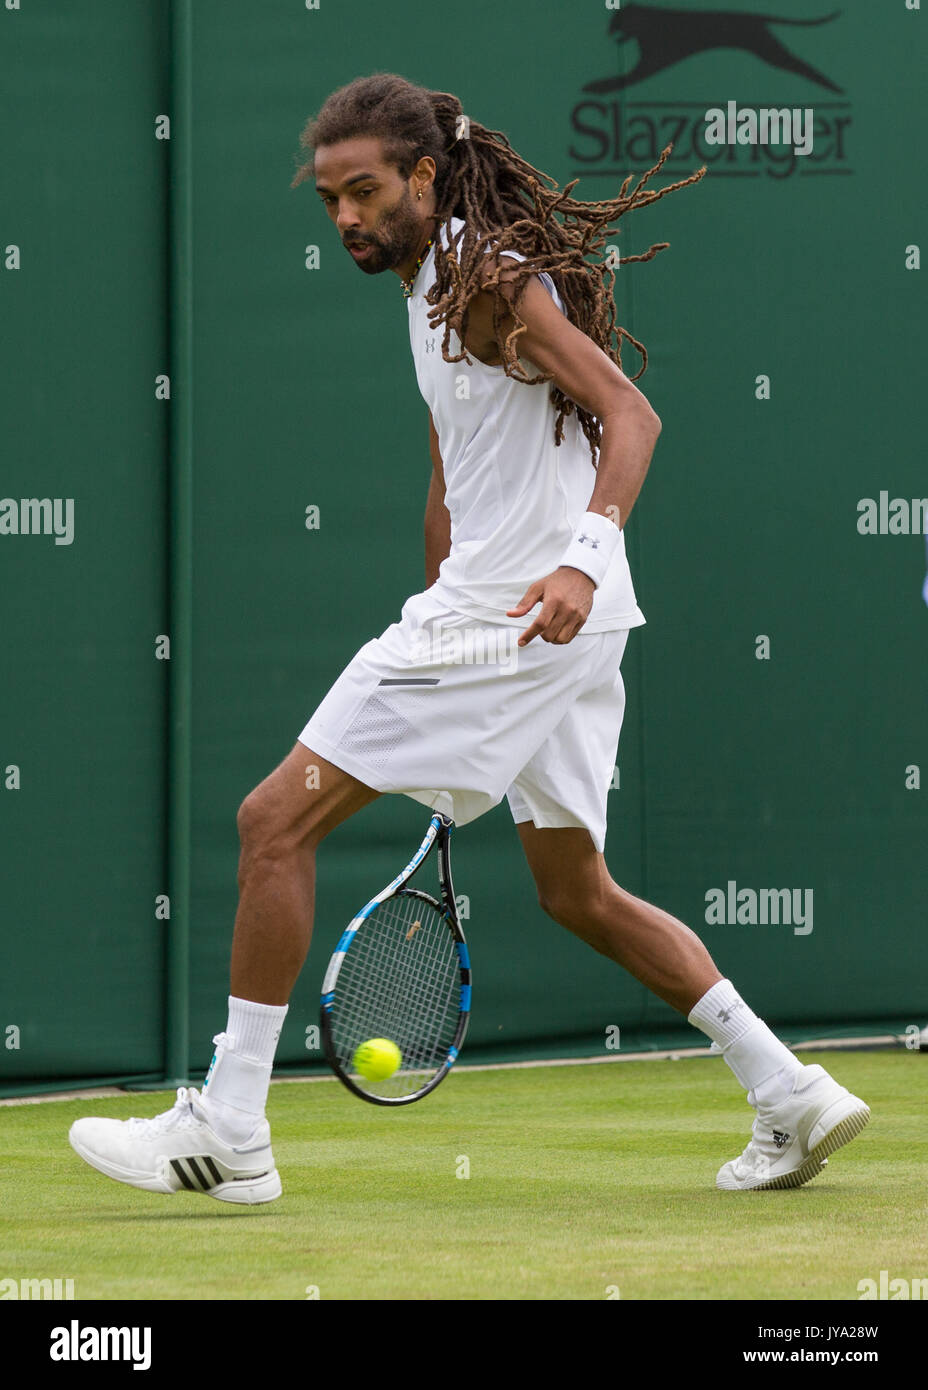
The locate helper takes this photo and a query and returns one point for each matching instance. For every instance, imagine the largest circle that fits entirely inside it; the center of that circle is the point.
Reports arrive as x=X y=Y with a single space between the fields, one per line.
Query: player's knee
x=250 y=820
x=261 y=831
x=583 y=913
x=271 y=828
x=556 y=906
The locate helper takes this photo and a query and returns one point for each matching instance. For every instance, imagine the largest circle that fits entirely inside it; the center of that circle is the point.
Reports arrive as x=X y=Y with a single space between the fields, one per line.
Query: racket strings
x=401 y=980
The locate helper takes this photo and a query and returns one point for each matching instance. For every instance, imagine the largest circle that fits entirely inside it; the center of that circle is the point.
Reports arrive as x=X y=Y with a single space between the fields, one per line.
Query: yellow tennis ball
x=377 y=1059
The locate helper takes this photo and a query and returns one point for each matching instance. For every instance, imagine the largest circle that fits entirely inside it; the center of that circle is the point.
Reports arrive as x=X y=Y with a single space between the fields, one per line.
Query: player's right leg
x=803 y=1114
x=280 y=824
x=219 y=1142
x=559 y=802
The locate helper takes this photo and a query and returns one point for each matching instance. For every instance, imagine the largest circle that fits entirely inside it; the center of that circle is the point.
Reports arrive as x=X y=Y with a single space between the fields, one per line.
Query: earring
x=419 y=195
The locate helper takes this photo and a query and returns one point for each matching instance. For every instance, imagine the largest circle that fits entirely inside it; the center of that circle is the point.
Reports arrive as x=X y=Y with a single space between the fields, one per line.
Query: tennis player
x=539 y=447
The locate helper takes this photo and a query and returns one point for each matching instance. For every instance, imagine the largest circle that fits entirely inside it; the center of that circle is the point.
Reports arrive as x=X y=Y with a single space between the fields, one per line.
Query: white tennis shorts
x=446 y=709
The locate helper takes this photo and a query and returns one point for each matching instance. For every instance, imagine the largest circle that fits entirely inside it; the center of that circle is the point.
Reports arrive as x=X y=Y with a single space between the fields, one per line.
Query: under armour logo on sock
x=725 y=1014
x=588 y=540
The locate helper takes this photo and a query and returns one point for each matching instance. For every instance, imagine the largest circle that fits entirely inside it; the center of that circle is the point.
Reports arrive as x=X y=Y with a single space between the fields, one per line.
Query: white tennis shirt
x=515 y=497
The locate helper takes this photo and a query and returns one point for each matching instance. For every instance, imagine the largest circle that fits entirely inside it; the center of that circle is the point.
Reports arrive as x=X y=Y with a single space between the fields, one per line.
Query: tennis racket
x=401 y=972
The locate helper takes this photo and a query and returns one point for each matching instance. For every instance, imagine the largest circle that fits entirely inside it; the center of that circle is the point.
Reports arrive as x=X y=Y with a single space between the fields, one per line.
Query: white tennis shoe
x=792 y=1138
x=180 y=1150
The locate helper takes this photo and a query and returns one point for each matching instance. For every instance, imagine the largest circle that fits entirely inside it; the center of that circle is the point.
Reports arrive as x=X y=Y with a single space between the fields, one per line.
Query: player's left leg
x=803 y=1115
x=576 y=889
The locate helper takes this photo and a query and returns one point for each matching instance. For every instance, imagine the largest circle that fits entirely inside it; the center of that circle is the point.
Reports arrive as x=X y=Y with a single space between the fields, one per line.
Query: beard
x=393 y=240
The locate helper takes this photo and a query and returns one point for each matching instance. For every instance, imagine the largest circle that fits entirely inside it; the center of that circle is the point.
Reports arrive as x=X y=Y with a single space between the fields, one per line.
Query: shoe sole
x=842 y=1128
x=249 y=1192
x=265 y=1187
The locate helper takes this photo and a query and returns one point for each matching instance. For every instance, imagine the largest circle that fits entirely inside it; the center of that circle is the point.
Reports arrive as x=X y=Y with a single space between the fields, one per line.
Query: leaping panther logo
x=667 y=36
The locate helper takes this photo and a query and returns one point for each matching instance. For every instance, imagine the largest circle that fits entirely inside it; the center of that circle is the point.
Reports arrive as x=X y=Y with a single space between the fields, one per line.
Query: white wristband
x=593 y=546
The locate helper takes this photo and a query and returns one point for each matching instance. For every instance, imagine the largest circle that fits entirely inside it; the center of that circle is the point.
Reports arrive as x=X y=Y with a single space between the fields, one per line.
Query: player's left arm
x=630 y=428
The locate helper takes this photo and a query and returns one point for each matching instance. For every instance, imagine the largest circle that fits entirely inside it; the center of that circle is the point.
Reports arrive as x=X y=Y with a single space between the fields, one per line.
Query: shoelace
x=179 y=1116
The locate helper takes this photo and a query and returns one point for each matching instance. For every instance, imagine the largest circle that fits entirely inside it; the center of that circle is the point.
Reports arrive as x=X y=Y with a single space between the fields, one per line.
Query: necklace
x=408 y=284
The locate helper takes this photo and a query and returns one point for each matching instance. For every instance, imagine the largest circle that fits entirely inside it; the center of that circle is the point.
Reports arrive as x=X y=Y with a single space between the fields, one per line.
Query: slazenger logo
x=666 y=37
x=611 y=137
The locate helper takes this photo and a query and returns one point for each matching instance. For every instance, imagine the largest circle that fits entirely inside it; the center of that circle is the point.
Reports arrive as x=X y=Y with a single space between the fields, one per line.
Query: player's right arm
x=437 y=519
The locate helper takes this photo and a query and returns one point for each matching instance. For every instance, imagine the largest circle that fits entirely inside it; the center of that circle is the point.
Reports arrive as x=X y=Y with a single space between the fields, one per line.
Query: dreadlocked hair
x=506 y=204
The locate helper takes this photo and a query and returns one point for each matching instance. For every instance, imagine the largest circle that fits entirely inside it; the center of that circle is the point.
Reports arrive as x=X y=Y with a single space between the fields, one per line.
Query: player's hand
x=566 y=597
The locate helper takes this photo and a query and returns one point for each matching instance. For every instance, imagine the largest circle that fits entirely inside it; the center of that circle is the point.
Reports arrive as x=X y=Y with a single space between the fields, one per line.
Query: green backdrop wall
x=136 y=253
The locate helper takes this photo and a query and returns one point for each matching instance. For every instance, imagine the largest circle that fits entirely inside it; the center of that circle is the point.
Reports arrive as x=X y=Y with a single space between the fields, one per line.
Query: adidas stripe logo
x=193 y=1176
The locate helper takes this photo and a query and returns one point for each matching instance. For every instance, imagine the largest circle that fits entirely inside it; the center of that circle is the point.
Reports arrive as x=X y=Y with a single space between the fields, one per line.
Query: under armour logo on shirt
x=589 y=541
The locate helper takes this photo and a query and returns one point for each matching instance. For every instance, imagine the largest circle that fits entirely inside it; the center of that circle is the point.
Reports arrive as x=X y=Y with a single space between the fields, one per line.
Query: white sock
x=765 y=1067
x=239 y=1076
